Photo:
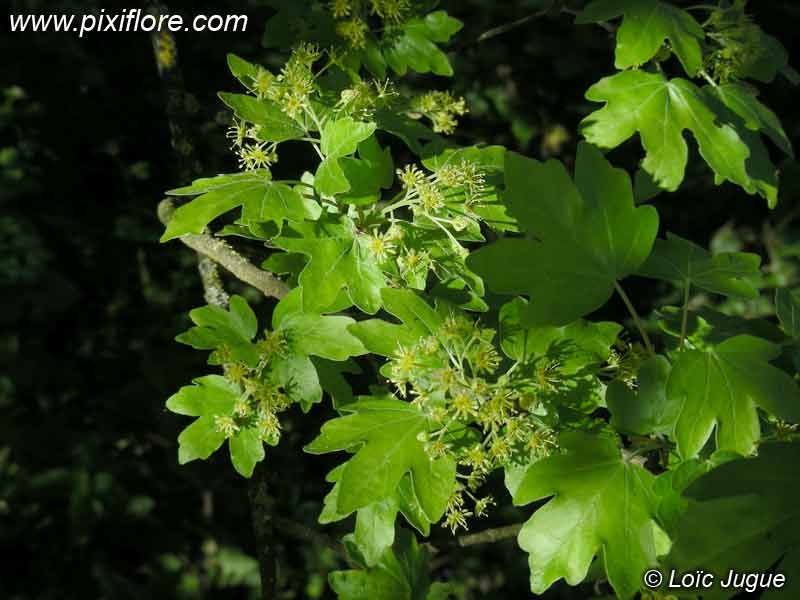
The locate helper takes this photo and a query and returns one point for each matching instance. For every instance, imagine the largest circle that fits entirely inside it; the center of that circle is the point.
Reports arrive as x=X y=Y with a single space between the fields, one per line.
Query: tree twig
x=211 y=252
x=490 y=536
x=261 y=512
x=224 y=255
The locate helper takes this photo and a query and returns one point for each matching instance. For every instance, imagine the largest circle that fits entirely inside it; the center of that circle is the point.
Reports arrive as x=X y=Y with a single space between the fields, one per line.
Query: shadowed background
x=92 y=501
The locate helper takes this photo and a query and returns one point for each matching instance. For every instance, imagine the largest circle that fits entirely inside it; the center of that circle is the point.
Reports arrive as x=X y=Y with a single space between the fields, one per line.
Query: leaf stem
x=636 y=319
x=405 y=201
x=685 y=316
x=708 y=78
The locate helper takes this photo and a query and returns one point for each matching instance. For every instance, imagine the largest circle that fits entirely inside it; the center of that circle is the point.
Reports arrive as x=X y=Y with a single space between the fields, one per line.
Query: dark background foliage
x=92 y=501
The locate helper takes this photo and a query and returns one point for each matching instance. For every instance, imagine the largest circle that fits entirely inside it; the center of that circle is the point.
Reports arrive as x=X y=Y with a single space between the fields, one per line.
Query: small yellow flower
x=380 y=246
x=484 y=359
x=413 y=261
x=354 y=31
x=430 y=197
x=262 y=82
x=269 y=428
x=340 y=8
x=242 y=408
x=236 y=372
x=306 y=54
x=256 y=156
x=273 y=344
x=482 y=506
x=457 y=519
x=437 y=448
x=226 y=424
x=463 y=405
x=405 y=359
x=410 y=176
x=237 y=133
x=391 y=10
x=293 y=105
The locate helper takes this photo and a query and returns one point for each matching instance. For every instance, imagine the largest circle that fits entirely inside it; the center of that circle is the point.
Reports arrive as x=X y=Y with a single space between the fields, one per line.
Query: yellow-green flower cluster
x=291 y=89
x=442 y=108
x=445 y=201
x=354 y=31
x=461 y=186
x=261 y=399
x=624 y=361
x=482 y=417
x=362 y=99
x=738 y=38
x=352 y=16
x=257 y=155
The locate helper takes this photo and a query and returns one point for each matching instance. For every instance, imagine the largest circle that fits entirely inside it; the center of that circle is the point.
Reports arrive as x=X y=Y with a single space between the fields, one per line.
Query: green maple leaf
x=681 y=261
x=419 y=138
x=242 y=69
x=272 y=123
x=660 y=110
x=384 y=338
x=209 y=397
x=744 y=515
x=491 y=160
x=375 y=523
x=337 y=261
x=342 y=136
x=577 y=345
x=292 y=368
x=215 y=327
x=581 y=237
x=325 y=338
x=372 y=171
x=601 y=504
x=706 y=327
x=385 y=431
x=261 y=198
x=743 y=101
x=647 y=24
x=722 y=387
x=412 y=45
x=401 y=574
x=648 y=409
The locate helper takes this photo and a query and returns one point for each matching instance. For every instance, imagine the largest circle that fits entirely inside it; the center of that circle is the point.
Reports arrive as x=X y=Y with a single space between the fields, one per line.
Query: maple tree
x=469 y=279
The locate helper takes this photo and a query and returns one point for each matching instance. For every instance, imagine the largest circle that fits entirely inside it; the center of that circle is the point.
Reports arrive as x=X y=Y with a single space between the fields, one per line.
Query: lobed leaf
x=580 y=238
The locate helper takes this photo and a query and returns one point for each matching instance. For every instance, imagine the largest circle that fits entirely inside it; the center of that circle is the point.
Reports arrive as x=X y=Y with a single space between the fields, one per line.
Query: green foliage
x=588 y=235
x=408 y=255
x=687 y=264
x=262 y=379
x=743 y=515
x=337 y=260
x=722 y=387
x=647 y=410
x=603 y=502
x=645 y=28
x=413 y=46
x=261 y=200
x=401 y=574
x=389 y=430
x=660 y=110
